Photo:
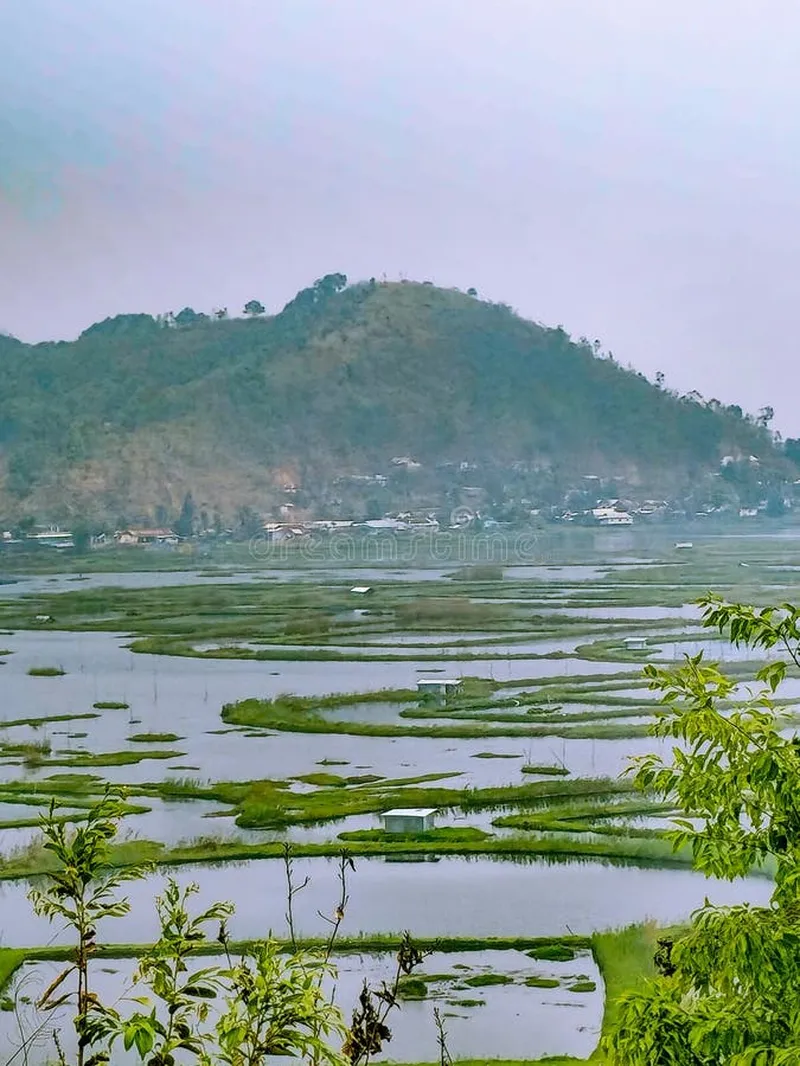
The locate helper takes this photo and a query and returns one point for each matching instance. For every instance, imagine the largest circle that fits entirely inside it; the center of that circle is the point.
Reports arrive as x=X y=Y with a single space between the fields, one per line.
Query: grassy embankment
x=465 y=717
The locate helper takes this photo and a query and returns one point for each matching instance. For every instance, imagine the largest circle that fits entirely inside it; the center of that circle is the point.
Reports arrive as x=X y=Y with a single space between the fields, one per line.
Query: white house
x=409 y=820
x=145 y=536
x=635 y=643
x=609 y=516
x=362 y=590
x=53 y=538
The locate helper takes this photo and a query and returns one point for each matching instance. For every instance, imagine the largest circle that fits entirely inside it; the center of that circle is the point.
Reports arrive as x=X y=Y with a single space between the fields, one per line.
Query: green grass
x=10 y=961
x=46 y=671
x=484 y=980
x=625 y=958
x=212 y=849
x=46 y=720
x=582 y=986
x=542 y=982
x=552 y=953
x=412 y=987
x=445 y=834
x=111 y=705
x=325 y=780
x=305 y=714
x=545 y=771
x=109 y=758
x=154 y=738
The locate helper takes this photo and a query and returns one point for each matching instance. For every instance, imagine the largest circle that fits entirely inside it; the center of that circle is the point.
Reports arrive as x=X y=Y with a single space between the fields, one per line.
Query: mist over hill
x=139 y=410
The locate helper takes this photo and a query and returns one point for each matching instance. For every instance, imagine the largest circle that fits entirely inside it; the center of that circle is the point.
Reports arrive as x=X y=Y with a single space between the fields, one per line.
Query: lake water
x=184 y=696
x=454 y=896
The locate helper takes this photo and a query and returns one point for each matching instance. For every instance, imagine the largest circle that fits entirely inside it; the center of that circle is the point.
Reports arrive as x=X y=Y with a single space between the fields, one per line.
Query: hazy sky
x=627 y=168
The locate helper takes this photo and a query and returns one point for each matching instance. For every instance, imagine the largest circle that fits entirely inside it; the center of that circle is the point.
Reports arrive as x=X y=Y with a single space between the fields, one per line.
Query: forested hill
x=138 y=411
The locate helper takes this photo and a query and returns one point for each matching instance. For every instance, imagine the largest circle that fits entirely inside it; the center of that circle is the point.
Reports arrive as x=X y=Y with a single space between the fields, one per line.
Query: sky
x=625 y=168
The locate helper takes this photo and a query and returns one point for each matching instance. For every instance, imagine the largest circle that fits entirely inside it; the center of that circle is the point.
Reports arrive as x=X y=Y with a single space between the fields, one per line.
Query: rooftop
x=410 y=812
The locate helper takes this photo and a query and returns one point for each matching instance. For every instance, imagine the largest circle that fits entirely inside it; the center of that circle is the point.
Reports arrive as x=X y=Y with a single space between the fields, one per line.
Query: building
x=362 y=590
x=53 y=538
x=133 y=537
x=635 y=643
x=438 y=686
x=610 y=516
x=409 y=820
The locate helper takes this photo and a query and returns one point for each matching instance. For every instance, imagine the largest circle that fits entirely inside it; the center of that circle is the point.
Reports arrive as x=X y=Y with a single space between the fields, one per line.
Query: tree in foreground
x=264 y=1001
x=728 y=990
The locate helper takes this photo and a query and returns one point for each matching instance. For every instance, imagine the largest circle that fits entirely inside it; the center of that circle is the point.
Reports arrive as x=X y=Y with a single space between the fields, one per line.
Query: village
x=409 y=497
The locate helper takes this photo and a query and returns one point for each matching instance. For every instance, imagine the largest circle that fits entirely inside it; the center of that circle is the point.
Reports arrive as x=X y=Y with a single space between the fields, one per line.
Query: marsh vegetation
x=242 y=714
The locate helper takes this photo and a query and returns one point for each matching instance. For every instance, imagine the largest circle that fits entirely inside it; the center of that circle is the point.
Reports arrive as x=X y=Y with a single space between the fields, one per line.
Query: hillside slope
x=135 y=413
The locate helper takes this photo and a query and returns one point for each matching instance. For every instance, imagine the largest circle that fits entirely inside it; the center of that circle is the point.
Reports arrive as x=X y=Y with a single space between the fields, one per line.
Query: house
x=132 y=537
x=635 y=643
x=409 y=820
x=276 y=532
x=610 y=516
x=362 y=590
x=438 y=686
x=53 y=538
x=394 y=524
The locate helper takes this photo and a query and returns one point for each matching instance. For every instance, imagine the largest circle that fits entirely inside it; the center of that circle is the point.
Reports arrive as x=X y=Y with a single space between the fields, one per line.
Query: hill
x=139 y=410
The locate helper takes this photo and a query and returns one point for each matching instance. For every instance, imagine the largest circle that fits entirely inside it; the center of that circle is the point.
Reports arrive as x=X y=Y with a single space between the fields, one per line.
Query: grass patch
x=154 y=738
x=325 y=780
x=10 y=961
x=111 y=705
x=45 y=720
x=582 y=986
x=552 y=953
x=542 y=982
x=625 y=958
x=468 y=714
x=26 y=751
x=483 y=980
x=545 y=771
x=412 y=987
x=46 y=671
x=445 y=834
x=109 y=758
x=494 y=755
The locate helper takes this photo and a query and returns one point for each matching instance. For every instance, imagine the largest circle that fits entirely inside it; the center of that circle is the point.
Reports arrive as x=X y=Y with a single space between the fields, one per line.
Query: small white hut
x=635 y=643
x=409 y=820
